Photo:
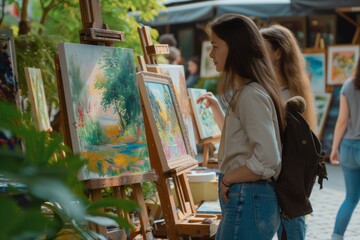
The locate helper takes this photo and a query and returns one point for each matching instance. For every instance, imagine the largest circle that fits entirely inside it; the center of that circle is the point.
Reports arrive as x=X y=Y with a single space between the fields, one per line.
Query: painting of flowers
x=204 y=117
x=165 y=126
x=37 y=98
x=342 y=61
x=315 y=66
x=104 y=110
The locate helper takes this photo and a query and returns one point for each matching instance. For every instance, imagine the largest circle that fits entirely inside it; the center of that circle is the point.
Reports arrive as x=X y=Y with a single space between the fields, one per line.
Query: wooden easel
x=182 y=221
x=342 y=12
x=96 y=33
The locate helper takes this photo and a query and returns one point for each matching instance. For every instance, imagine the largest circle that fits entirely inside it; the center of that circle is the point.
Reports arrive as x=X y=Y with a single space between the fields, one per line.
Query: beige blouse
x=250 y=135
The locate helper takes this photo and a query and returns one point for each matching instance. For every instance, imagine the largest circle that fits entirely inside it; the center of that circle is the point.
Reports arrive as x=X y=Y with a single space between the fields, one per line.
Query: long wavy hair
x=357 y=76
x=246 y=58
x=291 y=68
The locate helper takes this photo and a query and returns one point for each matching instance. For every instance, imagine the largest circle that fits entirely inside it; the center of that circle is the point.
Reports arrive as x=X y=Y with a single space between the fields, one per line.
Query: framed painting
x=322 y=103
x=8 y=68
x=166 y=124
x=207 y=66
x=177 y=75
x=315 y=66
x=37 y=99
x=342 y=60
x=330 y=121
x=104 y=110
x=204 y=117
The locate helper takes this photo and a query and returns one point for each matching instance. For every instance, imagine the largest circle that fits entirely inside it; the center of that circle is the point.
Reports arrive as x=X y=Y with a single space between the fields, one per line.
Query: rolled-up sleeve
x=258 y=120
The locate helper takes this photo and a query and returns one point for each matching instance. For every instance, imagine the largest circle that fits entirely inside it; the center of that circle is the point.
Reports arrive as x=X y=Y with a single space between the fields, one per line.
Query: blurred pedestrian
x=347 y=136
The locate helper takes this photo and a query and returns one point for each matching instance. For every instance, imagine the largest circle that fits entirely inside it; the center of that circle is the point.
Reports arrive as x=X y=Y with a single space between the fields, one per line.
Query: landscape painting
x=165 y=126
x=37 y=98
x=322 y=102
x=342 y=62
x=315 y=66
x=204 y=117
x=104 y=110
x=177 y=74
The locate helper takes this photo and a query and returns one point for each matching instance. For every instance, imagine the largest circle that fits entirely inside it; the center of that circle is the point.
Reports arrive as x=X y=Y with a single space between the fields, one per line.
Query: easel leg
x=146 y=229
x=205 y=154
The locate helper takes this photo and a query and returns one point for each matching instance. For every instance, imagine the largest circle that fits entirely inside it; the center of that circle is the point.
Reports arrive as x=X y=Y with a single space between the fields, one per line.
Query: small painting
x=8 y=68
x=37 y=98
x=322 y=102
x=342 y=62
x=330 y=121
x=315 y=66
x=204 y=117
x=104 y=109
x=207 y=68
x=177 y=74
x=167 y=127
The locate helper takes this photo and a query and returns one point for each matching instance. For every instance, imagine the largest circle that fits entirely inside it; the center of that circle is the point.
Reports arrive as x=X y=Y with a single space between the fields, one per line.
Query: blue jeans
x=252 y=212
x=295 y=228
x=350 y=164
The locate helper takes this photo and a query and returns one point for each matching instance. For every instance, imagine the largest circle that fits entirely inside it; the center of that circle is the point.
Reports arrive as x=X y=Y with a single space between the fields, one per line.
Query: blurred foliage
x=38 y=172
x=54 y=21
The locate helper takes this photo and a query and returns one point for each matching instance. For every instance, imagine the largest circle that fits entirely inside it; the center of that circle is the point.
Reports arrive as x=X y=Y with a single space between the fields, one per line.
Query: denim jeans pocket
x=267 y=214
x=347 y=154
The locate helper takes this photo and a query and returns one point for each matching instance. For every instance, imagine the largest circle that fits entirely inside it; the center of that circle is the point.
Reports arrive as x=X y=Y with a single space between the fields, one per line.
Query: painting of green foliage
x=104 y=111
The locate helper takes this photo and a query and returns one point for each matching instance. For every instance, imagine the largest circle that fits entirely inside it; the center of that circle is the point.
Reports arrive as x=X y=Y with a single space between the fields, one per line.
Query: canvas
x=315 y=66
x=342 y=62
x=322 y=103
x=104 y=110
x=167 y=127
x=207 y=66
x=204 y=117
x=330 y=121
x=8 y=68
x=177 y=74
x=37 y=99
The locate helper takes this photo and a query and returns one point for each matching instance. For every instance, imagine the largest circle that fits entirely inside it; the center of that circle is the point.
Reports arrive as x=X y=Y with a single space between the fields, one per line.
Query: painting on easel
x=167 y=126
x=177 y=74
x=322 y=102
x=204 y=117
x=37 y=98
x=315 y=66
x=8 y=69
x=104 y=110
x=342 y=60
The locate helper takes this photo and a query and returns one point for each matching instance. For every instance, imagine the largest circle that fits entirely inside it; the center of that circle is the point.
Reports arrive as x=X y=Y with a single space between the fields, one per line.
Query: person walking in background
x=193 y=68
x=347 y=131
x=293 y=80
x=250 y=147
x=174 y=55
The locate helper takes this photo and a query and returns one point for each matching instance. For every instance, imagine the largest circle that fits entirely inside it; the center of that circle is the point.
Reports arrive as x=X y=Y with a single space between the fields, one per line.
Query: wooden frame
x=322 y=103
x=37 y=98
x=295 y=24
x=181 y=157
x=204 y=117
x=316 y=68
x=323 y=24
x=9 y=86
x=99 y=117
x=341 y=63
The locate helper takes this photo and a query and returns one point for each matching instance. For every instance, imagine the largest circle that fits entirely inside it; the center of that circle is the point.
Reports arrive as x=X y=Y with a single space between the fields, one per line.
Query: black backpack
x=302 y=161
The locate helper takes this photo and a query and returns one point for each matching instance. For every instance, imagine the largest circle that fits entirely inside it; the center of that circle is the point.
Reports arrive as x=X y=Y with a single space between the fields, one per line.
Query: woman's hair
x=246 y=58
x=291 y=68
x=357 y=75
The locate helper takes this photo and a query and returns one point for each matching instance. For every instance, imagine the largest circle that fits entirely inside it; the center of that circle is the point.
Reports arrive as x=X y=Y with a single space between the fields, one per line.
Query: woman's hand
x=334 y=157
x=224 y=188
x=210 y=99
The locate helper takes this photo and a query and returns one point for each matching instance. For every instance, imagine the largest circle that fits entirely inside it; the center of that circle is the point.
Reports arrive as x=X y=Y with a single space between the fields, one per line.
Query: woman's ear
x=277 y=55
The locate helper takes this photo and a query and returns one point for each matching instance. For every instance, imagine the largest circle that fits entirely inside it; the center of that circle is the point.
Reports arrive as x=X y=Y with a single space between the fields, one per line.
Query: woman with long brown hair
x=250 y=147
